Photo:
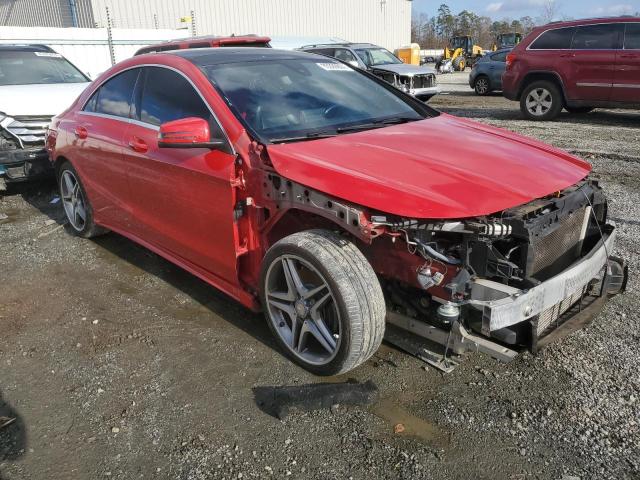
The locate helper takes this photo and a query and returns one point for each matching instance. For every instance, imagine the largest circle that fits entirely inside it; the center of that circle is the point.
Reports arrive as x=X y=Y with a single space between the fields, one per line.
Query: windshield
x=508 y=39
x=376 y=56
x=296 y=99
x=458 y=42
x=28 y=68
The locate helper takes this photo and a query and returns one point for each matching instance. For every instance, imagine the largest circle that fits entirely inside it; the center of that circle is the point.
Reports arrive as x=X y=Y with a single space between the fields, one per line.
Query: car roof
x=211 y=40
x=25 y=48
x=216 y=56
x=344 y=44
x=506 y=49
x=589 y=21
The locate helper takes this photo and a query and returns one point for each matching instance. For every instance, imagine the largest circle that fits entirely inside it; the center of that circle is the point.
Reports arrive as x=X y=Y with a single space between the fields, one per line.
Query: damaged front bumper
x=24 y=164
x=549 y=304
x=546 y=312
x=426 y=93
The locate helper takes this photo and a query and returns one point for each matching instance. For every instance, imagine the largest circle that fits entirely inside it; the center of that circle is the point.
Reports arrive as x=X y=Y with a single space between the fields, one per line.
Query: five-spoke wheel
x=302 y=309
x=322 y=301
x=73 y=200
x=76 y=203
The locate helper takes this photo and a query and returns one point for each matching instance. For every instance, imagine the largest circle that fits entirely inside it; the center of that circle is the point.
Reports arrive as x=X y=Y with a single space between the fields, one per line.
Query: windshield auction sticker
x=48 y=54
x=334 y=67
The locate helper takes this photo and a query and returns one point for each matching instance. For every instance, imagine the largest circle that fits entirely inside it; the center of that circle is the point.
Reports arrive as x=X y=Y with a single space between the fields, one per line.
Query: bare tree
x=549 y=11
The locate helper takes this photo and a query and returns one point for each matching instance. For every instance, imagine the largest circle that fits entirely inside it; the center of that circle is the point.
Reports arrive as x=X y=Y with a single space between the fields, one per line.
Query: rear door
x=592 y=61
x=99 y=131
x=181 y=197
x=626 y=80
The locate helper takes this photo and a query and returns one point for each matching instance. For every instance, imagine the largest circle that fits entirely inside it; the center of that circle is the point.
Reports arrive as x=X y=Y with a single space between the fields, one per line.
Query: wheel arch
x=57 y=163
x=542 y=75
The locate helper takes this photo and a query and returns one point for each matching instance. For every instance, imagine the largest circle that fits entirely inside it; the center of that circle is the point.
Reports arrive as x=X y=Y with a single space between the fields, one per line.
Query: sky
x=498 y=9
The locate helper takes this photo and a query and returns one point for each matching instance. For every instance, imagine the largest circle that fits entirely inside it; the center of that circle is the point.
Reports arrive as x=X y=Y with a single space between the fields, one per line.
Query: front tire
x=323 y=301
x=482 y=86
x=541 y=100
x=76 y=203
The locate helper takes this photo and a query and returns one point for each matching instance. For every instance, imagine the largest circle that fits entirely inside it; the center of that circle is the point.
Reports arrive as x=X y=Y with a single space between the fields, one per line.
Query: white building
x=384 y=22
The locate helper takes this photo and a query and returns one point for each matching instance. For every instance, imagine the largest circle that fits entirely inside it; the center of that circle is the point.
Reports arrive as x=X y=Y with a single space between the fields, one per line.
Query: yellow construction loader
x=507 y=40
x=458 y=54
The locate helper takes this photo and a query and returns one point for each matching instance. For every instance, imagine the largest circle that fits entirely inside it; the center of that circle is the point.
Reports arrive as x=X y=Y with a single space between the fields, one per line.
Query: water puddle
x=412 y=426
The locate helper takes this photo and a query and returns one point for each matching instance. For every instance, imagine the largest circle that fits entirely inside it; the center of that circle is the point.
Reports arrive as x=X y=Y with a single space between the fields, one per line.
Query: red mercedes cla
x=325 y=197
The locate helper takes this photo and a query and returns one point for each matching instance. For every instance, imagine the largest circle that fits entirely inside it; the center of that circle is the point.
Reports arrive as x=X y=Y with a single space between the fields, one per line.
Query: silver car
x=419 y=81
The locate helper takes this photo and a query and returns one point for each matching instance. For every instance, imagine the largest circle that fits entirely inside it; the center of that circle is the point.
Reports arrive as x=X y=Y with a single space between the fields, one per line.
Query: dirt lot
x=120 y=365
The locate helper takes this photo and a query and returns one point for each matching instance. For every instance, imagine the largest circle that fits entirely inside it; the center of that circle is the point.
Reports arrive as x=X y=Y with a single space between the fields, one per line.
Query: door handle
x=81 y=133
x=138 y=145
x=567 y=55
x=629 y=55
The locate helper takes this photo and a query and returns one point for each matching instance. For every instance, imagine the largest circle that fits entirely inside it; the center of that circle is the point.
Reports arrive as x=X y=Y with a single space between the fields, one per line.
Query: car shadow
x=198 y=290
x=13 y=436
x=40 y=195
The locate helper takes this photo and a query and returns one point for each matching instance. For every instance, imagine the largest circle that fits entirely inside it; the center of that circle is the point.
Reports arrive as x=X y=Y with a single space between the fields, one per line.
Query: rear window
x=115 y=95
x=556 y=39
x=597 y=37
x=499 y=57
x=632 y=36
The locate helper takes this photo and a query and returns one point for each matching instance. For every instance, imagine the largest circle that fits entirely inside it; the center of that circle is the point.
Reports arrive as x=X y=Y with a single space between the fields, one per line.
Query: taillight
x=511 y=57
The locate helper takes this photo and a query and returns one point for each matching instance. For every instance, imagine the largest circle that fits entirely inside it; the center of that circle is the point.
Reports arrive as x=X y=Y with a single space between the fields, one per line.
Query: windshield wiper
x=376 y=124
x=303 y=138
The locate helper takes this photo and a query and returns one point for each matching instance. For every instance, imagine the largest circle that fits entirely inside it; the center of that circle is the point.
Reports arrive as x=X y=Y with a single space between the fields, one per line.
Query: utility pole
x=112 y=53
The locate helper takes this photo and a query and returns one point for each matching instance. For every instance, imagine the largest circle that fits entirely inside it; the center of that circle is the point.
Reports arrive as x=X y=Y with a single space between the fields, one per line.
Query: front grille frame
x=28 y=130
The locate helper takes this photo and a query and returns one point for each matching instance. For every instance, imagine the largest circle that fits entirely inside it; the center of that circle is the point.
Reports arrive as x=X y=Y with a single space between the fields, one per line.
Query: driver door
x=181 y=199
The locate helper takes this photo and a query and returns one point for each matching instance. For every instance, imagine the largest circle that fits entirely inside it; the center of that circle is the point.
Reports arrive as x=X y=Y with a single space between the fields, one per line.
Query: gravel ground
x=119 y=365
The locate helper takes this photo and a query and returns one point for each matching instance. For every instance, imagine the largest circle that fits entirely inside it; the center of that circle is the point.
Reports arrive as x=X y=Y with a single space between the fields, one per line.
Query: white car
x=36 y=83
x=417 y=80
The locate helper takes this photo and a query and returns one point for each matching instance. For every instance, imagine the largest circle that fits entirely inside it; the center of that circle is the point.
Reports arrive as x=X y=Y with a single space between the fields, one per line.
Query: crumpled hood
x=404 y=69
x=41 y=99
x=440 y=167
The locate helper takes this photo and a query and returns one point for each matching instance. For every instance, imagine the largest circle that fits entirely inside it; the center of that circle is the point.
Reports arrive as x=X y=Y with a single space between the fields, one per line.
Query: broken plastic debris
x=279 y=401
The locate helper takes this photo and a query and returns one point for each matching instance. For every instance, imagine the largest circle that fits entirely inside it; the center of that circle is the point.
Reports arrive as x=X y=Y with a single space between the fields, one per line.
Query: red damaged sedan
x=326 y=197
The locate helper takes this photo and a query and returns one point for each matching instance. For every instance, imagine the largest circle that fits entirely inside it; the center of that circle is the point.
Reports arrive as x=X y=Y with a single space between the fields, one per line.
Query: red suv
x=208 y=42
x=324 y=196
x=578 y=65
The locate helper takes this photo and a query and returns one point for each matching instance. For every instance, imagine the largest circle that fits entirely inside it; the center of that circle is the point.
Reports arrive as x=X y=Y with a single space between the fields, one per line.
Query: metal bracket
x=457 y=341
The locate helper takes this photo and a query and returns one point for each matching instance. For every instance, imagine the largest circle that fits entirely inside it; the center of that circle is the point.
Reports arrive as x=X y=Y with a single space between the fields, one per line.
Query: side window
x=597 y=37
x=557 y=39
x=168 y=96
x=499 y=57
x=114 y=96
x=90 y=106
x=324 y=51
x=632 y=36
x=344 y=55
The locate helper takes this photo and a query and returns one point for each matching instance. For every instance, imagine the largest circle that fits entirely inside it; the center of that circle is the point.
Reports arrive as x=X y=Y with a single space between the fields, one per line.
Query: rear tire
x=482 y=85
x=541 y=100
x=323 y=301
x=76 y=203
x=578 y=110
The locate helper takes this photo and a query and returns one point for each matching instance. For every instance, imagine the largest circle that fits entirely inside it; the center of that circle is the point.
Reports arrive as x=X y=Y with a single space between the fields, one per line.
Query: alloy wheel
x=73 y=200
x=539 y=101
x=302 y=309
x=482 y=86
